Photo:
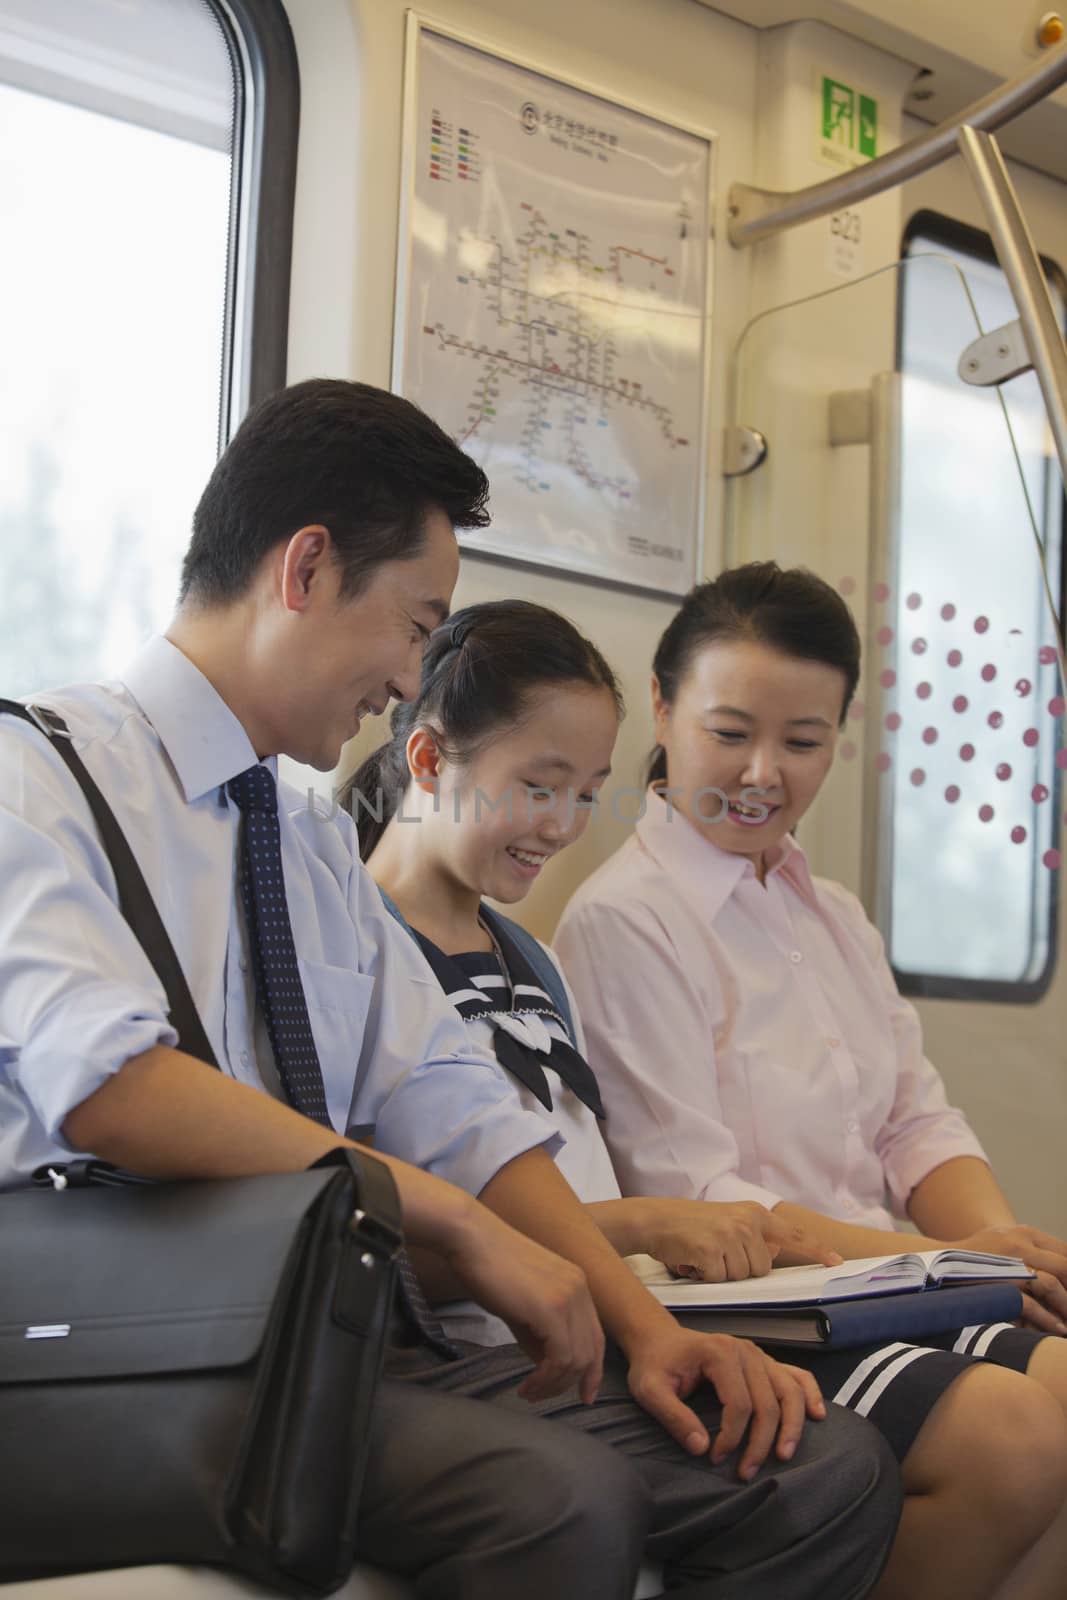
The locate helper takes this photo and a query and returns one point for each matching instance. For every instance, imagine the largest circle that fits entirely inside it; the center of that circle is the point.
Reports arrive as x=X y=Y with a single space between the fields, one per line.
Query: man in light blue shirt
x=323 y=555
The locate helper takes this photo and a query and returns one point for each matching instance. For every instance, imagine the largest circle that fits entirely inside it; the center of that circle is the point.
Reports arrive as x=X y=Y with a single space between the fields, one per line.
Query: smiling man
x=323 y=554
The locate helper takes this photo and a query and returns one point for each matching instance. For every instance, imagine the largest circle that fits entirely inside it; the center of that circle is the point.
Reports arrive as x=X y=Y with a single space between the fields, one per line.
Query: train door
x=925 y=498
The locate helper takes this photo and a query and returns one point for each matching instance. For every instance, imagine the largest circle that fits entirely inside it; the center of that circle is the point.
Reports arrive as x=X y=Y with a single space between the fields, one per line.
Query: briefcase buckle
x=374 y=1235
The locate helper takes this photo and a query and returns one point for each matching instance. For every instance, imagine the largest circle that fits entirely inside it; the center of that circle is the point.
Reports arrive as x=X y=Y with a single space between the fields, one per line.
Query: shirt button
x=795 y=957
x=244 y=1058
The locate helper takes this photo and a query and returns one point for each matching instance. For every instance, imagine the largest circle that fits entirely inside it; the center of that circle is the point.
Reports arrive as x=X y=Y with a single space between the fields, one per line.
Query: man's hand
x=1045 y=1297
x=757 y=1393
x=544 y=1300
x=714 y=1241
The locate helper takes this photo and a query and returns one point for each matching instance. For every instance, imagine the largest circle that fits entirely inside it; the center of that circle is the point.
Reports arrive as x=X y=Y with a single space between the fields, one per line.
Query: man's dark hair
x=364 y=463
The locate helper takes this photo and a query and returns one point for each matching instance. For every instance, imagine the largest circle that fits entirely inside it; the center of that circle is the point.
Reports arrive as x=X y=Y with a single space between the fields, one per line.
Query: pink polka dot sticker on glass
x=1031 y=737
x=1018 y=835
x=985 y=813
x=966 y=752
x=1023 y=687
x=913 y=602
x=917 y=777
x=1057 y=705
x=1051 y=860
x=989 y=672
x=882 y=762
x=881 y=593
x=884 y=635
x=952 y=793
x=948 y=611
x=960 y=703
x=1003 y=772
x=848 y=750
x=892 y=721
x=918 y=647
x=995 y=719
x=954 y=658
x=924 y=690
x=847 y=586
x=929 y=736
x=1039 y=794
x=887 y=678
x=981 y=624
x=1047 y=655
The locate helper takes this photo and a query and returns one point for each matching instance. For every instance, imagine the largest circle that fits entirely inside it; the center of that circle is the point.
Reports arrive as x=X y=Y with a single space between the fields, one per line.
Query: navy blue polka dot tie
x=270 y=933
x=281 y=993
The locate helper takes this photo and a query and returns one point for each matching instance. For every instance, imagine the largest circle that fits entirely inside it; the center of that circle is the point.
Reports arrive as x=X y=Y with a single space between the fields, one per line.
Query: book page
x=960 y=1265
x=786 y=1285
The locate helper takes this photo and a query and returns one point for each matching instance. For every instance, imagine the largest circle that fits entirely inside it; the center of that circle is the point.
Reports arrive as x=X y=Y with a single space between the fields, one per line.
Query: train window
x=131 y=144
x=973 y=691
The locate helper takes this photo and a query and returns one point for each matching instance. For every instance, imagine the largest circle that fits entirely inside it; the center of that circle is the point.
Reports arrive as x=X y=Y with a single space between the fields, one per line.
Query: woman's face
x=500 y=817
x=749 y=739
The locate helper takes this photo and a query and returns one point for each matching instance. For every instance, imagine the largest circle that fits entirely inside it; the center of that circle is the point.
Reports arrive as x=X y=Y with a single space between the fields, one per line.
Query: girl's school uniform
x=819 y=1524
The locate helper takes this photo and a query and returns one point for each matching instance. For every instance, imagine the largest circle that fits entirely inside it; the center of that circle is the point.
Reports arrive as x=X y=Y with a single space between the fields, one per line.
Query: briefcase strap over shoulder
x=135 y=897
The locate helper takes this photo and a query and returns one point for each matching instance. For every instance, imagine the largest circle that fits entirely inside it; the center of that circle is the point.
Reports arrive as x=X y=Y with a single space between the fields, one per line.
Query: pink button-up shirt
x=749 y=1040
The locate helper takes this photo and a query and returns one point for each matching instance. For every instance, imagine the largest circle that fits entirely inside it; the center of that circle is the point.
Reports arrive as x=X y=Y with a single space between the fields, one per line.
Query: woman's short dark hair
x=481 y=670
x=364 y=463
x=789 y=610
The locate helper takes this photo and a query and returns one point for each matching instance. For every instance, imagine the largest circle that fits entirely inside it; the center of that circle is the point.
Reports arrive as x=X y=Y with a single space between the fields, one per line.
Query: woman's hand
x=714 y=1241
x=1044 y=1297
x=759 y=1394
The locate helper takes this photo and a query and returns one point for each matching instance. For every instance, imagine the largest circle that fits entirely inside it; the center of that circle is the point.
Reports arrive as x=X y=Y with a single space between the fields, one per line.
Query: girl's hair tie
x=459 y=632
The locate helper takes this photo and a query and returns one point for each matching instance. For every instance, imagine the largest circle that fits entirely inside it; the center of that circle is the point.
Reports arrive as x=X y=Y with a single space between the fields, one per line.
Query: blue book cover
x=843 y=1324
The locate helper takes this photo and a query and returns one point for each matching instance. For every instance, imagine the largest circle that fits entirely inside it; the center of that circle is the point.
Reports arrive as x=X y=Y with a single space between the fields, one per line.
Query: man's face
x=350 y=657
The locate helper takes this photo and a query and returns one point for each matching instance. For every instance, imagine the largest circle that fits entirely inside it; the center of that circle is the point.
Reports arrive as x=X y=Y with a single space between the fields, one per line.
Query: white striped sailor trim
x=885 y=1377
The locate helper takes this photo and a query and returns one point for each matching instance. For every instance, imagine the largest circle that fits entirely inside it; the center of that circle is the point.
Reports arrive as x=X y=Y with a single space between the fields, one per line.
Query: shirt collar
x=710 y=875
x=204 y=741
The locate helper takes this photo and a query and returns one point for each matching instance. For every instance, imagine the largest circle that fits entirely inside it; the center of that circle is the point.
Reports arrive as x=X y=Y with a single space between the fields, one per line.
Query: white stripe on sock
x=966 y=1335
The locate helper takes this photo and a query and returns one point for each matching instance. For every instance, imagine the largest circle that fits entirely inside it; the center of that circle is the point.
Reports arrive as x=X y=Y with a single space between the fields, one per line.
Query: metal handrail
x=760 y=213
x=1021 y=264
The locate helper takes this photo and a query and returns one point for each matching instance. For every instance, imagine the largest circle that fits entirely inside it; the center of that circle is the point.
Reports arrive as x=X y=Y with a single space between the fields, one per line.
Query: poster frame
x=418 y=22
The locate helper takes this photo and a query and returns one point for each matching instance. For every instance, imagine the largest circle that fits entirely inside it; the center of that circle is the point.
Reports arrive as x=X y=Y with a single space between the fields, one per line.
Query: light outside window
x=973 y=718
x=113 y=284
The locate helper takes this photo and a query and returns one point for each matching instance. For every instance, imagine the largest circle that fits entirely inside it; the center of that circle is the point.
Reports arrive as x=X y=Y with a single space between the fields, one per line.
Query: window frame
x=968 y=240
x=266 y=127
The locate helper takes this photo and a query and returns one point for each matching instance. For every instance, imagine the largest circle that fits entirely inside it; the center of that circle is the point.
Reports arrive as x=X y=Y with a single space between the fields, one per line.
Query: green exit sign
x=849 y=124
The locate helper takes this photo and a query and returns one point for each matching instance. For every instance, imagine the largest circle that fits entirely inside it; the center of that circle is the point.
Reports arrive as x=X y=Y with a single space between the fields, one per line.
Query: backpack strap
x=135 y=897
x=545 y=969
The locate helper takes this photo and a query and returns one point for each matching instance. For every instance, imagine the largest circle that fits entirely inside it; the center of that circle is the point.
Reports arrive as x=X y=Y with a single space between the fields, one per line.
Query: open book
x=792 y=1286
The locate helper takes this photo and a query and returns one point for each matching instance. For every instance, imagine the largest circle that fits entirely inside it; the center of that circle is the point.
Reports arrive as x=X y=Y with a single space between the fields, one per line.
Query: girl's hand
x=713 y=1241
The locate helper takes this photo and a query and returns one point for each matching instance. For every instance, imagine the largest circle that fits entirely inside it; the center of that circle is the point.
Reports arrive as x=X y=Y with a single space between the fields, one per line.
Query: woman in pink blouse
x=748 y=1037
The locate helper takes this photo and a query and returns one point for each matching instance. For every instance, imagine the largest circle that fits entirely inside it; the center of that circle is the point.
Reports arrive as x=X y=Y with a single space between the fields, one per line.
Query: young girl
x=779 y=1063
x=490 y=771
x=499 y=759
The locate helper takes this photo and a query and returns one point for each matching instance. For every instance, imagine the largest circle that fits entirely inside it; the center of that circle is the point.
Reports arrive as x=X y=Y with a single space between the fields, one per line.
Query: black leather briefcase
x=187 y=1370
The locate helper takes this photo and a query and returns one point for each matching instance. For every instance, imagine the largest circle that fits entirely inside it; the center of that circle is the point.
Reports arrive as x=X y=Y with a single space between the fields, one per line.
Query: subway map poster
x=552 y=311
